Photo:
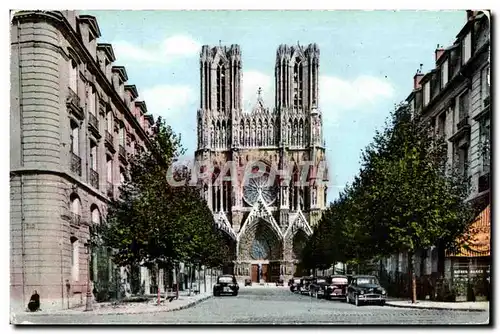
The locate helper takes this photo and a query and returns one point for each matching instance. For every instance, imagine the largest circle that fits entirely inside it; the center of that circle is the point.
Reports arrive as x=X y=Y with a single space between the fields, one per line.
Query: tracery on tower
x=297 y=84
x=221 y=87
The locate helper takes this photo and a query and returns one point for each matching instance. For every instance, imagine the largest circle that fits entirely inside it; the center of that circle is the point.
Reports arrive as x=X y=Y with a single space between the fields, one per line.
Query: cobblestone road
x=271 y=305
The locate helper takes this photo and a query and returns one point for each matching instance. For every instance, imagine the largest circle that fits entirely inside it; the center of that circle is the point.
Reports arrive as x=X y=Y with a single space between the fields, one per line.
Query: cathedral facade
x=267 y=216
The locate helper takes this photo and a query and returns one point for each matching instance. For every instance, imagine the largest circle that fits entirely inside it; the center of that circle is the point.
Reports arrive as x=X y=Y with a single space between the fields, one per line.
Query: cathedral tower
x=266 y=218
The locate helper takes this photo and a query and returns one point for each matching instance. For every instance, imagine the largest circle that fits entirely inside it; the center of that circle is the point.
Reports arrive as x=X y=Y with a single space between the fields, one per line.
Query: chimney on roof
x=418 y=76
x=471 y=14
x=439 y=52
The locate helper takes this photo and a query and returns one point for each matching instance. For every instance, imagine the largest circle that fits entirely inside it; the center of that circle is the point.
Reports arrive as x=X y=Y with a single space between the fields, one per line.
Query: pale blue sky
x=367 y=63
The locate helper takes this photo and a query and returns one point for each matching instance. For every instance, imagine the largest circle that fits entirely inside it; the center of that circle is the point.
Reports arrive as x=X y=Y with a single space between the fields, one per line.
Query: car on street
x=330 y=287
x=294 y=283
x=226 y=284
x=337 y=287
x=365 y=289
x=316 y=287
x=304 y=285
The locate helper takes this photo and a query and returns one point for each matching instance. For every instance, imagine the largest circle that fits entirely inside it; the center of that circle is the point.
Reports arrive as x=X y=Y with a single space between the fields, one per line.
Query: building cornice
x=80 y=183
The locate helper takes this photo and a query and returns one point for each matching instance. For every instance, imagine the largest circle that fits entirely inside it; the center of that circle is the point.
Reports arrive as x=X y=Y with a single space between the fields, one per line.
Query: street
x=274 y=305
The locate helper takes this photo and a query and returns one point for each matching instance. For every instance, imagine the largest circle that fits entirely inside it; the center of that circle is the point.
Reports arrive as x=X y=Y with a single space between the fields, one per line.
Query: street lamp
x=88 y=304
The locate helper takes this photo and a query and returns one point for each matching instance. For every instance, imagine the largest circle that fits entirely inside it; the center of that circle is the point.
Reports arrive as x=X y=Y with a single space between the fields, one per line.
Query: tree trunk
x=441 y=259
x=413 y=281
x=177 y=276
x=158 y=283
x=190 y=278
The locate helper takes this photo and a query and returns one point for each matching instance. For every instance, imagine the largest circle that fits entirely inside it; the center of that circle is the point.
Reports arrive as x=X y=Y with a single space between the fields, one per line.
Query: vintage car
x=365 y=289
x=316 y=286
x=294 y=284
x=304 y=285
x=248 y=281
x=332 y=287
x=226 y=284
x=337 y=289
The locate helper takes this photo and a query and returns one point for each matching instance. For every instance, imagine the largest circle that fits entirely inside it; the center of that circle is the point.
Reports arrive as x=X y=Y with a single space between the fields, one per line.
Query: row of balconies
x=73 y=103
x=76 y=167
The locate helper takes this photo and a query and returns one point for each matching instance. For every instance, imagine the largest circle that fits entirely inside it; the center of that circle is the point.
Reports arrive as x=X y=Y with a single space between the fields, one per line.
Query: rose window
x=260 y=186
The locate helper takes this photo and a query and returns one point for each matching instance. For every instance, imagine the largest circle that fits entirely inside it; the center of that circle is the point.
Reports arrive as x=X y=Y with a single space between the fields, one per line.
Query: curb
x=437 y=308
x=178 y=308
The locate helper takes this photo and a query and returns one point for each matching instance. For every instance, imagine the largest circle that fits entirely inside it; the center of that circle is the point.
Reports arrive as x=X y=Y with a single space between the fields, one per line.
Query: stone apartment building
x=454 y=98
x=73 y=121
x=266 y=222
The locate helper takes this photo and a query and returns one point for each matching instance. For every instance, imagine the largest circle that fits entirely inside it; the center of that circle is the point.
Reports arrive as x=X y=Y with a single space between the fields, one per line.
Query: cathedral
x=268 y=218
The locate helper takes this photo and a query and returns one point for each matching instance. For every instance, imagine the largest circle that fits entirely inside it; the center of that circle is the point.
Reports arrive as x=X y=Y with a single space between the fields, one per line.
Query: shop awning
x=480 y=243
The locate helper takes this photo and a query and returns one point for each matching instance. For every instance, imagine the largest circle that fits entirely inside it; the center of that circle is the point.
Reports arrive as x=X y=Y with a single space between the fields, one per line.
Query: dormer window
x=466 y=48
x=120 y=88
x=427 y=93
x=444 y=74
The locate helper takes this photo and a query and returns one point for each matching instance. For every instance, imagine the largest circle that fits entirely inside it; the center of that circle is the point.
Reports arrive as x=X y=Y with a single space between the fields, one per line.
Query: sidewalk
x=433 y=305
x=183 y=302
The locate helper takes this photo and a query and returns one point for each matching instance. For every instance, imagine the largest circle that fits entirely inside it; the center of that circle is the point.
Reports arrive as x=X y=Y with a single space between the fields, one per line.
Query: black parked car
x=304 y=285
x=226 y=284
x=294 y=283
x=365 y=289
x=316 y=287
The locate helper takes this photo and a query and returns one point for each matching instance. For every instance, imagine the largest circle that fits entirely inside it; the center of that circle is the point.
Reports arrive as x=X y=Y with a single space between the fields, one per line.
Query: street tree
x=415 y=201
x=155 y=223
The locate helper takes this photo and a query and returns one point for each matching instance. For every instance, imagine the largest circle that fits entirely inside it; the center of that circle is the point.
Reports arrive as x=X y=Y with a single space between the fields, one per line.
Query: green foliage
x=402 y=200
x=156 y=223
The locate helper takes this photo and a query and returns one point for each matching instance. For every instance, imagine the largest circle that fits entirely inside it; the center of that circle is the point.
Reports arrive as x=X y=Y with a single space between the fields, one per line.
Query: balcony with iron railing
x=463 y=123
x=122 y=153
x=76 y=164
x=94 y=178
x=93 y=122
x=75 y=219
x=73 y=103
x=109 y=190
x=109 y=140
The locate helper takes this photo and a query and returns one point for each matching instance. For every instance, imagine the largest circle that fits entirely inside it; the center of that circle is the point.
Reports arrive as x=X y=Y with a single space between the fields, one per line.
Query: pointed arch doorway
x=261 y=249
